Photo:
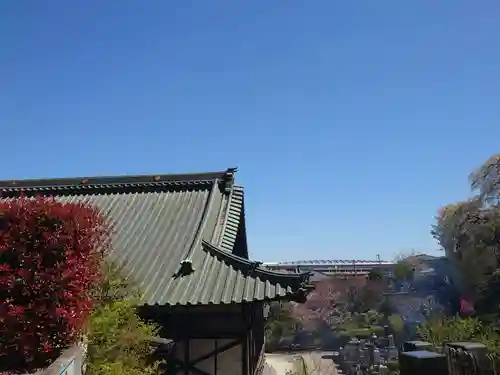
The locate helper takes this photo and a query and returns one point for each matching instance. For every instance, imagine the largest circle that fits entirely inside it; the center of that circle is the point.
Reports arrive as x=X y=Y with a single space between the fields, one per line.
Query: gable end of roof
x=232 y=219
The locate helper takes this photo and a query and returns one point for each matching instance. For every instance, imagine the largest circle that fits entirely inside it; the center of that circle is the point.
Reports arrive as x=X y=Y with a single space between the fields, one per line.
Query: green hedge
x=393 y=365
x=363 y=332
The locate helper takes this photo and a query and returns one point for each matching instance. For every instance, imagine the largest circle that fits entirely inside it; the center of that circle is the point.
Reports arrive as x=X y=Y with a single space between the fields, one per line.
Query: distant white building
x=325 y=268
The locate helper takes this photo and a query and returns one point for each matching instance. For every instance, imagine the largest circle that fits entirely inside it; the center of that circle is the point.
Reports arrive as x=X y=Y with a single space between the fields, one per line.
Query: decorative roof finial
x=185 y=268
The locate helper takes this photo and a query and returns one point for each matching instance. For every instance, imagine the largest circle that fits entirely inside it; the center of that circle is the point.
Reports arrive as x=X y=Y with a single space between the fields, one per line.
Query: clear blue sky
x=351 y=121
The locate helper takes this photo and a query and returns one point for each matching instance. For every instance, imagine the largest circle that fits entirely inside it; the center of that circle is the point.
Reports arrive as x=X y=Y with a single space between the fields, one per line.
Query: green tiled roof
x=164 y=221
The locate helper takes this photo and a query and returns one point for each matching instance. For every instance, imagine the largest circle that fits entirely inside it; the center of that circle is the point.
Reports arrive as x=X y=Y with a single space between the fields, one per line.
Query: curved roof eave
x=245 y=265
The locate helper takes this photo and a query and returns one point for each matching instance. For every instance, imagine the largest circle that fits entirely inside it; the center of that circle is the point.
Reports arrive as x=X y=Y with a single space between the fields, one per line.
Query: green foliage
x=359 y=332
x=393 y=367
x=375 y=275
x=278 y=324
x=373 y=317
x=367 y=319
x=469 y=231
x=385 y=308
x=403 y=271
x=397 y=327
x=119 y=341
x=366 y=332
x=439 y=330
x=363 y=294
x=485 y=180
x=396 y=324
x=489 y=297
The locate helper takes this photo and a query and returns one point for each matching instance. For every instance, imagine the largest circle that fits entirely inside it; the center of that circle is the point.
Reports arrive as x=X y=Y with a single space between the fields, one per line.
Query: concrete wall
x=228 y=362
x=69 y=363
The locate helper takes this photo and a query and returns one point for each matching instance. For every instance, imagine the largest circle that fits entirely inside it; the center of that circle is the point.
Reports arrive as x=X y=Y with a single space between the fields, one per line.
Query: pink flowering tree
x=335 y=300
x=324 y=306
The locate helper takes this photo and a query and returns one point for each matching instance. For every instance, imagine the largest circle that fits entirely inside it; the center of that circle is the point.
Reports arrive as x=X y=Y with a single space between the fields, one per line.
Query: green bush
x=403 y=271
x=359 y=332
x=119 y=341
x=439 y=330
x=363 y=332
x=378 y=330
x=397 y=327
x=396 y=323
x=280 y=323
x=393 y=367
x=367 y=319
x=375 y=275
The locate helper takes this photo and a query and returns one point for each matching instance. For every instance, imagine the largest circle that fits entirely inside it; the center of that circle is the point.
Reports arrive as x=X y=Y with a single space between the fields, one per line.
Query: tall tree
x=486 y=180
x=469 y=231
x=446 y=230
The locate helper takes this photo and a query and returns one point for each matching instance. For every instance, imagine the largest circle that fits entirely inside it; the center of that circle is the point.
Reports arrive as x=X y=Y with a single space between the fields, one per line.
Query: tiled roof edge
x=296 y=279
x=118 y=182
x=232 y=219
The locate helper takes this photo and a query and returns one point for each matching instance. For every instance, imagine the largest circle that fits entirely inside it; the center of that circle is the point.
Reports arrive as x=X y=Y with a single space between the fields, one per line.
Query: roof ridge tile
x=120 y=183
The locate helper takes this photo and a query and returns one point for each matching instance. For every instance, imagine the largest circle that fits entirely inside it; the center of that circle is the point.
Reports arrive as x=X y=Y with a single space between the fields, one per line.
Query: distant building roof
x=175 y=235
x=332 y=262
x=429 y=258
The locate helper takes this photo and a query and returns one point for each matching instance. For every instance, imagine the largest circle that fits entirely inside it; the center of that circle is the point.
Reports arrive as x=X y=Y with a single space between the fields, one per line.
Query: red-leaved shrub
x=50 y=262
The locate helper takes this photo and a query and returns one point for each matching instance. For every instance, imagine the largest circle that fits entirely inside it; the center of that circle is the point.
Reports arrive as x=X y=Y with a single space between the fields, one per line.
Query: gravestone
x=421 y=362
x=411 y=346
